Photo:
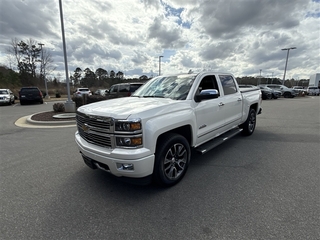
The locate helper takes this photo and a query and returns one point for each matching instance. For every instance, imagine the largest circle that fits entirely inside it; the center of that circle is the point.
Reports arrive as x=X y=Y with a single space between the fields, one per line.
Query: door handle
x=221 y=104
x=239 y=99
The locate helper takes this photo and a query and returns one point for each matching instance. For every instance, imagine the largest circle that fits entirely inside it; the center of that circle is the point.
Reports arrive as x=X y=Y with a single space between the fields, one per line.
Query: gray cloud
x=241 y=36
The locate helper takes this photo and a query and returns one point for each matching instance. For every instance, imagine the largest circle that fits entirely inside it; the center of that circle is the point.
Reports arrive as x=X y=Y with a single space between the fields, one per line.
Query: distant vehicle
x=30 y=94
x=313 y=91
x=79 y=92
x=124 y=89
x=6 y=96
x=285 y=91
x=275 y=94
x=101 y=92
x=299 y=89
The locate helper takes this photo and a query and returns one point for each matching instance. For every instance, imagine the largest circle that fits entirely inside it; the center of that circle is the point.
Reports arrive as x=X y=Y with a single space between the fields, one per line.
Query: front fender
x=154 y=127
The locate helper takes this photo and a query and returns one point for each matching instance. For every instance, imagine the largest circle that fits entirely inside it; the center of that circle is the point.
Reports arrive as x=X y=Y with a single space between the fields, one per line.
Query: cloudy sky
x=238 y=36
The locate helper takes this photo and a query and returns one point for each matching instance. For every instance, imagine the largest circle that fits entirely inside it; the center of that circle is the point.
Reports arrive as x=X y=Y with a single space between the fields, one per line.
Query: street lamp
x=160 y=65
x=42 y=71
x=69 y=104
x=285 y=68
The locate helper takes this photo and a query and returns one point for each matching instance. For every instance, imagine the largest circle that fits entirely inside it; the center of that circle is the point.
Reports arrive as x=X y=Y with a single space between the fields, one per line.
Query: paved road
x=265 y=186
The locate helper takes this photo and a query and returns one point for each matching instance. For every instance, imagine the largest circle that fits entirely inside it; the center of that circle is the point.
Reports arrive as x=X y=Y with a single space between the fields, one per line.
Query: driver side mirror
x=206 y=94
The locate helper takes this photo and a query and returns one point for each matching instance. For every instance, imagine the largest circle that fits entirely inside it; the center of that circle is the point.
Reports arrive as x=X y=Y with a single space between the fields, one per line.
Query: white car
x=313 y=91
x=101 y=92
x=6 y=96
x=82 y=91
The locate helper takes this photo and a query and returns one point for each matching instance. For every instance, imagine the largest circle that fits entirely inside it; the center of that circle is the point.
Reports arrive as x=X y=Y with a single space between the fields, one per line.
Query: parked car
x=285 y=91
x=79 y=92
x=299 y=89
x=101 y=92
x=30 y=94
x=313 y=91
x=6 y=96
x=124 y=89
x=274 y=93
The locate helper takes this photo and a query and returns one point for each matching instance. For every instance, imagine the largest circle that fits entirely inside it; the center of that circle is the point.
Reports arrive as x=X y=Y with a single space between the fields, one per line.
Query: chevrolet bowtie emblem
x=85 y=128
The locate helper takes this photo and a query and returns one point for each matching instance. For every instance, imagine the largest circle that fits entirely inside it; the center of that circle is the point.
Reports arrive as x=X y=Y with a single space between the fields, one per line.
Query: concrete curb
x=27 y=122
x=55 y=123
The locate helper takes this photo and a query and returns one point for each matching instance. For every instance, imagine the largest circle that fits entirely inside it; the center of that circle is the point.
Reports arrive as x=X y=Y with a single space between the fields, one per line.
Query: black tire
x=41 y=102
x=172 y=159
x=287 y=95
x=22 y=103
x=250 y=124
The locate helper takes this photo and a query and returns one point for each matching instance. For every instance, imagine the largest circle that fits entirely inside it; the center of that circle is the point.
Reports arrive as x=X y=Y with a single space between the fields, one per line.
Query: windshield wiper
x=153 y=96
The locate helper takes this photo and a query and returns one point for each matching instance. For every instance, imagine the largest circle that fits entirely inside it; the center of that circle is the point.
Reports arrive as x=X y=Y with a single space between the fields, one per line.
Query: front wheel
x=250 y=124
x=171 y=159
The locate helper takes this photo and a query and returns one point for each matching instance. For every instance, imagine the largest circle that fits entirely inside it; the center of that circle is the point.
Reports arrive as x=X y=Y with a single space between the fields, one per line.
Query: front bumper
x=111 y=160
x=4 y=101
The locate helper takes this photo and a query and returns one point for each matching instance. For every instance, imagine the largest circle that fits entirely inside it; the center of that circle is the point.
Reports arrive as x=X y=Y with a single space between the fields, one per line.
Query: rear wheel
x=287 y=95
x=171 y=159
x=250 y=124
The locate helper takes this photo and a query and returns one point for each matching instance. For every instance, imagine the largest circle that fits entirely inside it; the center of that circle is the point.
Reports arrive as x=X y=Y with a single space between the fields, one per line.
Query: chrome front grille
x=95 y=129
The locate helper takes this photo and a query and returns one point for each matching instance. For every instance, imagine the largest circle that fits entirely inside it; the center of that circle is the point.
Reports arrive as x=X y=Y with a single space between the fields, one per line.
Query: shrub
x=58 y=107
x=78 y=101
x=58 y=95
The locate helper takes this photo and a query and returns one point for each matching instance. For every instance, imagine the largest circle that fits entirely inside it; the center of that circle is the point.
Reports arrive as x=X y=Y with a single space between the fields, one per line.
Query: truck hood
x=122 y=108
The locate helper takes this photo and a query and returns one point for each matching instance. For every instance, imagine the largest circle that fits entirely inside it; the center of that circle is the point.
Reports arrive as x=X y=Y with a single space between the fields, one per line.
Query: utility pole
x=42 y=71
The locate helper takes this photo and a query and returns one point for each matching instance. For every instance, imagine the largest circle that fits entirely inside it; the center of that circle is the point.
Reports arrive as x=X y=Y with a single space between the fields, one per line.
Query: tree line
x=35 y=64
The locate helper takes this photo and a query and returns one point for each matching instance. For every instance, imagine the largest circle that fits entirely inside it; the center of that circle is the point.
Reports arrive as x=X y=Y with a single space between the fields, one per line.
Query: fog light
x=125 y=166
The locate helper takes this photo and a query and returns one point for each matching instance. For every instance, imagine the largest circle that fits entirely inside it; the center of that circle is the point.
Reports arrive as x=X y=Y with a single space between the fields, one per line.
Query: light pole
x=160 y=65
x=69 y=104
x=285 y=68
x=42 y=71
x=259 y=79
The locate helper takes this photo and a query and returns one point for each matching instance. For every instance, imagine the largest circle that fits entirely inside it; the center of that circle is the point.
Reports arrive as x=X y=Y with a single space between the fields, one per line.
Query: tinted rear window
x=30 y=90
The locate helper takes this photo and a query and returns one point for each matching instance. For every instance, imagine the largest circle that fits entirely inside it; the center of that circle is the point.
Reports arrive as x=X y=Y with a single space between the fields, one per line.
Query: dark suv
x=30 y=94
x=123 y=89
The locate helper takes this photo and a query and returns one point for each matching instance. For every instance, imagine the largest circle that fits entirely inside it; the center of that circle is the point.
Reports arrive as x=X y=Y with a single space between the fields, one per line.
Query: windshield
x=175 y=87
x=3 y=92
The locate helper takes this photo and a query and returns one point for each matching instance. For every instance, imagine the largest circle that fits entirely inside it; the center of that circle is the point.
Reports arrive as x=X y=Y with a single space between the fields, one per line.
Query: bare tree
x=26 y=55
x=47 y=63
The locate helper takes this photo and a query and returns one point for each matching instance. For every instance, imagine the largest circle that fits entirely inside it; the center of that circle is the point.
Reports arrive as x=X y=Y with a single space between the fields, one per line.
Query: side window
x=228 y=84
x=113 y=89
x=124 y=88
x=208 y=82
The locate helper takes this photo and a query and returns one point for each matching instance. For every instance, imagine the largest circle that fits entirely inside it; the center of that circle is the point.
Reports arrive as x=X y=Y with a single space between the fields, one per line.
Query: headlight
x=126 y=141
x=128 y=126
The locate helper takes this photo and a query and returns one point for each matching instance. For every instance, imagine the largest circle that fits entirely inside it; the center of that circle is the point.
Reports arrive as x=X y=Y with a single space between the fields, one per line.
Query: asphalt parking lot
x=265 y=186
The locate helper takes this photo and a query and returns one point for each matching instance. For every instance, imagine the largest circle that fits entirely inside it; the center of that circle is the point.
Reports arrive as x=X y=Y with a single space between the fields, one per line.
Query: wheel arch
x=184 y=131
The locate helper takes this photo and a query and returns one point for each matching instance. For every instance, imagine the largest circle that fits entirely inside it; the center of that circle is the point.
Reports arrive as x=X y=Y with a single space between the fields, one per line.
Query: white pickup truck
x=149 y=135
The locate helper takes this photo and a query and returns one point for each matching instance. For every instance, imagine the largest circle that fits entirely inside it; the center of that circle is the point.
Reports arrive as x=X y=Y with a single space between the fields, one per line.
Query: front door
x=209 y=113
